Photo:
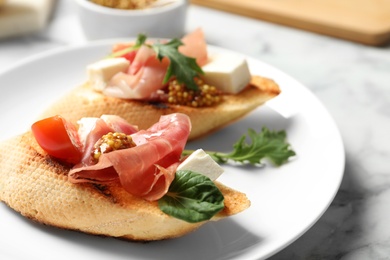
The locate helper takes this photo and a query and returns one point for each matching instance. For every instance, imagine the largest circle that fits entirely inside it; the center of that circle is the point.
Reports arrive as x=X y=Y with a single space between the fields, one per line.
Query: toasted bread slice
x=36 y=186
x=85 y=102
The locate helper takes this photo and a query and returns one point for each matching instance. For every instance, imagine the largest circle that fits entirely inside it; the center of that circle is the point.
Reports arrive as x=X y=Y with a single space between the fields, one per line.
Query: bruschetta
x=72 y=178
x=141 y=81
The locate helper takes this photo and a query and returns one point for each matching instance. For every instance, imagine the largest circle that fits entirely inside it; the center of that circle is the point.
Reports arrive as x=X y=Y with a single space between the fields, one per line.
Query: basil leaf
x=192 y=197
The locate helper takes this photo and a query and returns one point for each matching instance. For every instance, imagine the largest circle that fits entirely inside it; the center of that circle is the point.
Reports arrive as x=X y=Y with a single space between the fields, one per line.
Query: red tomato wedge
x=59 y=138
x=119 y=50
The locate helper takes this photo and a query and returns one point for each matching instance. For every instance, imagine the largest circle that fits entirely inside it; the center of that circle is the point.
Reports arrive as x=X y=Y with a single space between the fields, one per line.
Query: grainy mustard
x=206 y=96
x=111 y=142
x=124 y=4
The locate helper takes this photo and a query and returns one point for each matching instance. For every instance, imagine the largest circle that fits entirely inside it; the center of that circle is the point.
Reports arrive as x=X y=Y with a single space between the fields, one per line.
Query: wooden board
x=363 y=21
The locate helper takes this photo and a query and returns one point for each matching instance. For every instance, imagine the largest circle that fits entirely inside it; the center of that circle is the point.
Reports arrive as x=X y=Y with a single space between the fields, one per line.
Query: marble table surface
x=350 y=79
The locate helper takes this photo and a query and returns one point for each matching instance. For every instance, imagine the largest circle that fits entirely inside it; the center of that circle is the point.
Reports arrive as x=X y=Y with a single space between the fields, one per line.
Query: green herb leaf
x=183 y=67
x=141 y=39
x=192 y=197
x=265 y=144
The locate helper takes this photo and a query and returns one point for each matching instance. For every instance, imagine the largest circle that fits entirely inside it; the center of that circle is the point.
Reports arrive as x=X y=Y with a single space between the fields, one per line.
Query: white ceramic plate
x=286 y=201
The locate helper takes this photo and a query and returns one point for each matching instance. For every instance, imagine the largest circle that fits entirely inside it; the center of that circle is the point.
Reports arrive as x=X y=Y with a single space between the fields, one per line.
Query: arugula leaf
x=141 y=39
x=183 y=67
x=192 y=197
x=265 y=144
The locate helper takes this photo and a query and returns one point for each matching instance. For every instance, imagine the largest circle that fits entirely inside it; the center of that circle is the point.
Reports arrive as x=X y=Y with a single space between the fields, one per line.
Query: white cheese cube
x=201 y=162
x=85 y=126
x=100 y=72
x=228 y=72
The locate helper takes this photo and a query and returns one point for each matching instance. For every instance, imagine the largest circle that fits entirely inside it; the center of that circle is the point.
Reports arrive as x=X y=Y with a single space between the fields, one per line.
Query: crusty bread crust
x=83 y=101
x=36 y=186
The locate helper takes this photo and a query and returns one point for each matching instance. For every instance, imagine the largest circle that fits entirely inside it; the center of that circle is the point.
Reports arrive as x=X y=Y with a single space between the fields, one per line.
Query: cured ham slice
x=194 y=46
x=118 y=124
x=144 y=77
x=146 y=73
x=147 y=169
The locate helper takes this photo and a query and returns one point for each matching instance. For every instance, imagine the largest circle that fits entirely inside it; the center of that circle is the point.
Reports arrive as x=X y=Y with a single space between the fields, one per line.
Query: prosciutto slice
x=147 y=169
x=145 y=75
x=194 y=46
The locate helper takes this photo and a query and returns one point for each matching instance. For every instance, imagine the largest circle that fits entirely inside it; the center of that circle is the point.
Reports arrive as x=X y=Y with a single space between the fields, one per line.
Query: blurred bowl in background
x=161 y=21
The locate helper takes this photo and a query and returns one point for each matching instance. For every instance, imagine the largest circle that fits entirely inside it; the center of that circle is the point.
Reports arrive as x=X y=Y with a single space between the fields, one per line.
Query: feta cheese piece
x=100 y=72
x=85 y=126
x=227 y=72
x=201 y=162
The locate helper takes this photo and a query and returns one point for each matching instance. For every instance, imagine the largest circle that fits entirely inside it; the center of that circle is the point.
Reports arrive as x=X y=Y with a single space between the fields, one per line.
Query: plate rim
x=100 y=43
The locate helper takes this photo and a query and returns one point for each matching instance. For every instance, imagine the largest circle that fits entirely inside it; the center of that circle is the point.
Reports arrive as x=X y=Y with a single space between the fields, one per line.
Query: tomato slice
x=130 y=55
x=124 y=50
x=59 y=138
x=121 y=46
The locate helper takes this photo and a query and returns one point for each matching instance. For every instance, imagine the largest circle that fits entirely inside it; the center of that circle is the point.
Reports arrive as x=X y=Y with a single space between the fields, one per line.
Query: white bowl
x=99 y=22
